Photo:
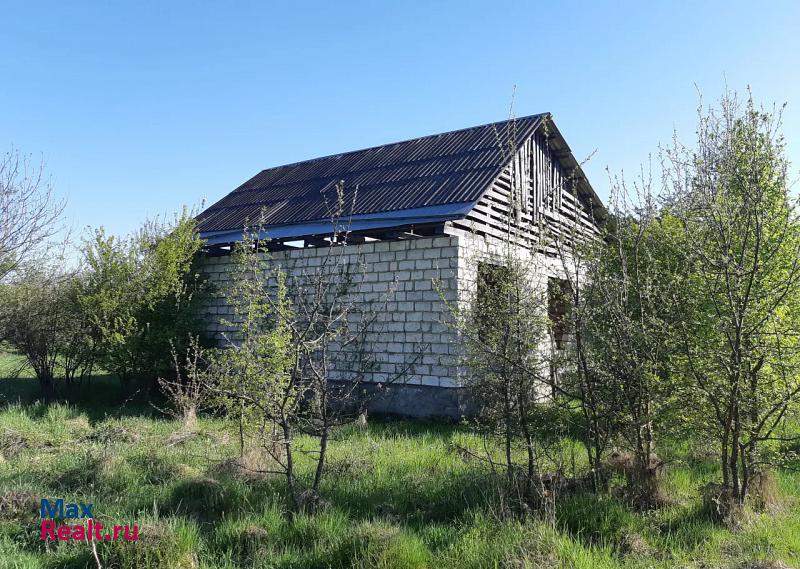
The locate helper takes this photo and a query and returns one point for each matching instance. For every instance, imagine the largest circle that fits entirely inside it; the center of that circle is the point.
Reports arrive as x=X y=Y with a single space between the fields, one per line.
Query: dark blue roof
x=427 y=176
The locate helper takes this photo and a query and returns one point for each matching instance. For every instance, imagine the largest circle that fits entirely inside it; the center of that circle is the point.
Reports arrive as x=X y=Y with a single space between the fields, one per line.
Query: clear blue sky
x=141 y=107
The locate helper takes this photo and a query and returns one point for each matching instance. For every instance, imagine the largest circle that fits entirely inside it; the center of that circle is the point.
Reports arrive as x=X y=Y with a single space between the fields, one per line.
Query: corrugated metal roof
x=448 y=168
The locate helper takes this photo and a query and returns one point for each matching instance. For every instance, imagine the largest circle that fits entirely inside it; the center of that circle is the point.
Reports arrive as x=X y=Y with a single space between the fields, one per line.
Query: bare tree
x=503 y=323
x=186 y=391
x=29 y=211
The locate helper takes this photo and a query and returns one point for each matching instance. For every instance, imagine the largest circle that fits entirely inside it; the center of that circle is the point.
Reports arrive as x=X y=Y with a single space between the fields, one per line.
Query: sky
x=140 y=108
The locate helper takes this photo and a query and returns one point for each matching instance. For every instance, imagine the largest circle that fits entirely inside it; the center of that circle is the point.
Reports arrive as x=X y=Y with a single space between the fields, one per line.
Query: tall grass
x=398 y=495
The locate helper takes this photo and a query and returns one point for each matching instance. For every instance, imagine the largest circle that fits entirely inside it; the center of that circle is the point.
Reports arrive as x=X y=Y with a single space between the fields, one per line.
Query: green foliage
x=141 y=293
x=636 y=283
x=739 y=318
x=254 y=379
x=42 y=320
x=400 y=495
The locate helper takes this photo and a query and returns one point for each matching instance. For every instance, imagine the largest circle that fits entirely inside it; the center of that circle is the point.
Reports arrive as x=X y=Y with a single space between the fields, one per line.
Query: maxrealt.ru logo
x=88 y=529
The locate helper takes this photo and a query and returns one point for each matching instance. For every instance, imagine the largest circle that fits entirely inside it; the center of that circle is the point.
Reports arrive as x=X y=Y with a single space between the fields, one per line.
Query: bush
x=42 y=320
x=142 y=294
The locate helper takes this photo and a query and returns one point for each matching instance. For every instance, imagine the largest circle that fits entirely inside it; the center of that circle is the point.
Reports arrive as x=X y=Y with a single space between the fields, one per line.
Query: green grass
x=398 y=495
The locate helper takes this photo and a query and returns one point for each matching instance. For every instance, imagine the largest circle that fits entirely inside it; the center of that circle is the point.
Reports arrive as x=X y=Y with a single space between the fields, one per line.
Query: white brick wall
x=415 y=316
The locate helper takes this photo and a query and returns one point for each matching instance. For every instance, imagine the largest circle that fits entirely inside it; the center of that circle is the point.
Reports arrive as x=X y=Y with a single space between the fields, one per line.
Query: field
x=397 y=495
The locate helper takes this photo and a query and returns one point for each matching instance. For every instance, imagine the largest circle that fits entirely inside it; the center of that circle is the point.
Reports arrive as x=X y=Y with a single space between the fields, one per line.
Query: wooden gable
x=541 y=184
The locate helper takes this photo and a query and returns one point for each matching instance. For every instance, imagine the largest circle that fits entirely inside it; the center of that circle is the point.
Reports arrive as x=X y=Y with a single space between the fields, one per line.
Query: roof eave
x=362 y=222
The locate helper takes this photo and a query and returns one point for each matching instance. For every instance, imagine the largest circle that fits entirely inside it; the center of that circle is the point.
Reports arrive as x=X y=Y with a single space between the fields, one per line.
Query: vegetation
x=122 y=310
x=43 y=321
x=659 y=426
x=741 y=234
x=141 y=294
x=30 y=211
x=397 y=494
x=689 y=295
x=296 y=359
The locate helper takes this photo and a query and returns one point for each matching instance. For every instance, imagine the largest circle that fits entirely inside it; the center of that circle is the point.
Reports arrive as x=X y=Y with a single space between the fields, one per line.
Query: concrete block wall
x=539 y=267
x=413 y=327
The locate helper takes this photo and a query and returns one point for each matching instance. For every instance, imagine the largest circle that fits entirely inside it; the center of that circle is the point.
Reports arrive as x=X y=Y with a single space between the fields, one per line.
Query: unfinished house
x=421 y=212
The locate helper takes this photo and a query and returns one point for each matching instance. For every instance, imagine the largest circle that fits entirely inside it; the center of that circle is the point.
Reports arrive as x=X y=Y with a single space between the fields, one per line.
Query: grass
x=398 y=495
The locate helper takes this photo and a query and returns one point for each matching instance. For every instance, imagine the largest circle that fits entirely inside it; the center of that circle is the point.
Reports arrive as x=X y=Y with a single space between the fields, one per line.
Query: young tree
x=742 y=241
x=503 y=327
x=630 y=331
x=503 y=321
x=186 y=390
x=79 y=352
x=297 y=361
x=254 y=379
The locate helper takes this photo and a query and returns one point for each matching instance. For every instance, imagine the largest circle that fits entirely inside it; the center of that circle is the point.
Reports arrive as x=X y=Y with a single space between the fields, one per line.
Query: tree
x=577 y=382
x=742 y=243
x=29 y=212
x=504 y=324
x=142 y=293
x=186 y=390
x=254 y=379
x=630 y=329
x=42 y=323
x=297 y=359
x=503 y=327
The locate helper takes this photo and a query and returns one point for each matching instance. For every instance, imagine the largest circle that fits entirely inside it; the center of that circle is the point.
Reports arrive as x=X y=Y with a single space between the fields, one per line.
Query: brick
x=430 y=380
x=448 y=382
x=448 y=252
x=406 y=265
x=422 y=369
x=432 y=295
x=423 y=285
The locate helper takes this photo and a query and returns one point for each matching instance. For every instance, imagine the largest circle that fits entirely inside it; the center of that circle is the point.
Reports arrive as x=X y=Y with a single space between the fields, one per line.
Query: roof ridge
x=337 y=154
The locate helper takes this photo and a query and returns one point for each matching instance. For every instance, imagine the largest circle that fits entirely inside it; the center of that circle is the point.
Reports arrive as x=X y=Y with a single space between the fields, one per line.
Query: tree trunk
x=46 y=386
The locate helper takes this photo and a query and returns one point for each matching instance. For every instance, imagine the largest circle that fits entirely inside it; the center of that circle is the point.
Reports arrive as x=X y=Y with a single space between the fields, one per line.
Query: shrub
x=141 y=293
